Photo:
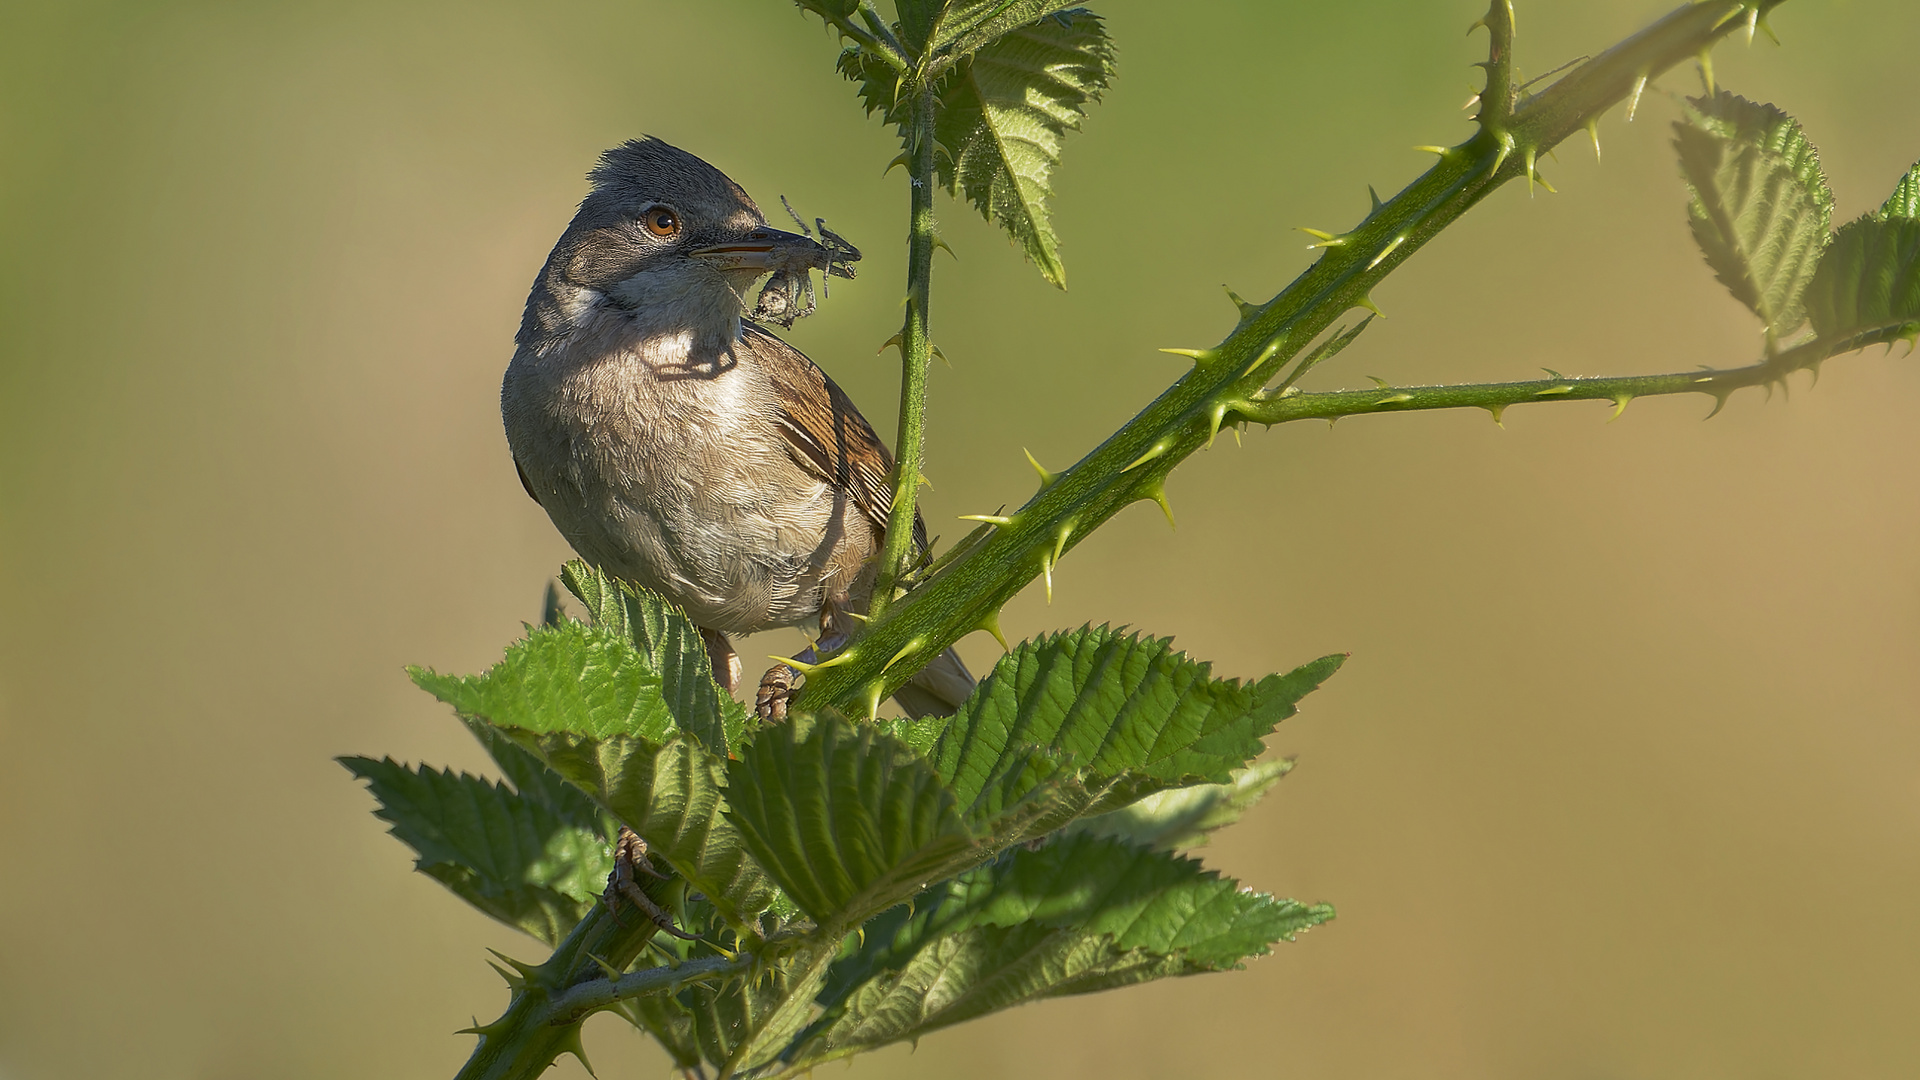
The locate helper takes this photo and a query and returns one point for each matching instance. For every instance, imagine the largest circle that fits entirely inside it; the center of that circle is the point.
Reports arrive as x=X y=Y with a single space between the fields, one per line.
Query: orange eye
x=661 y=221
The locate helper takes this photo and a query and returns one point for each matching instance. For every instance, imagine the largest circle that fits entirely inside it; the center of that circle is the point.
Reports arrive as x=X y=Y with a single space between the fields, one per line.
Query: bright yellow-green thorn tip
x=1394 y=399
x=1323 y=239
x=1391 y=247
x=1443 y=151
x=991 y=519
x=903 y=159
x=1247 y=311
x=1198 y=356
x=1380 y=382
x=1706 y=69
x=1060 y=540
x=906 y=650
x=1497 y=411
x=1153 y=451
x=1553 y=391
x=1367 y=302
x=1471 y=102
x=873 y=691
x=891 y=343
x=1620 y=402
x=1046 y=478
x=1478 y=24
x=1265 y=354
x=990 y=622
x=924 y=482
x=805 y=668
x=1236 y=435
x=1633 y=96
x=1593 y=132
x=1158 y=493
x=1527 y=158
x=1215 y=417
x=856 y=617
x=1046 y=571
x=1761 y=21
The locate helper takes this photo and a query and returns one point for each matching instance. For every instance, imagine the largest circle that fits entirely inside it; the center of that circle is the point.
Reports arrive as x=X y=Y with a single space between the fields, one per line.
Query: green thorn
x=1367 y=302
x=893 y=342
x=1553 y=391
x=1046 y=571
x=1153 y=451
x=1500 y=159
x=514 y=982
x=991 y=519
x=1247 y=311
x=943 y=356
x=481 y=1029
x=944 y=246
x=990 y=622
x=1620 y=402
x=874 y=690
x=1706 y=69
x=1388 y=250
x=1764 y=28
x=1720 y=402
x=1158 y=493
x=1324 y=239
x=1527 y=158
x=1060 y=541
x=924 y=482
x=1633 y=96
x=1443 y=151
x=1393 y=399
x=805 y=668
x=1497 y=411
x=1198 y=356
x=1215 y=417
x=529 y=972
x=1375 y=196
x=606 y=969
x=903 y=159
x=570 y=1043
x=1266 y=353
x=1380 y=382
x=1471 y=102
x=905 y=650
x=1593 y=132
x=1046 y=478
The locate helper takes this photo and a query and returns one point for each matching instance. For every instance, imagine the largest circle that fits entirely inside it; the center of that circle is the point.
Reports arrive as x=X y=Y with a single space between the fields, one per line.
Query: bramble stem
x=994 y=563
x=916 y=353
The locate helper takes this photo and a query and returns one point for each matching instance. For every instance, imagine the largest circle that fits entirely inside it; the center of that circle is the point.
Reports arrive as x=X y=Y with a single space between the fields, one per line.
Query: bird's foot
x=629 y=856
x=776 y=689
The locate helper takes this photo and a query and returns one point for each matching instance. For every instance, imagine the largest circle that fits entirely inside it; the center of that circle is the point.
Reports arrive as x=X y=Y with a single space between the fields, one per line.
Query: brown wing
x=828 y=435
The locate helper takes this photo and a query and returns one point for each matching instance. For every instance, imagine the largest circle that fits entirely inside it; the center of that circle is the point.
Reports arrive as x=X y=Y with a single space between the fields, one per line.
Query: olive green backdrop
x=1621 y=779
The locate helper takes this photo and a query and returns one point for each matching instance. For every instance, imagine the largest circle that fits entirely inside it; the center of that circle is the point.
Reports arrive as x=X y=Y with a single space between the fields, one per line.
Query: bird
x=679 y=444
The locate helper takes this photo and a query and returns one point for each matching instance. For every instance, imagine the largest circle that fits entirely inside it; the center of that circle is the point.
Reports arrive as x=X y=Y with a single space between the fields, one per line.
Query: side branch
x=576 y=1003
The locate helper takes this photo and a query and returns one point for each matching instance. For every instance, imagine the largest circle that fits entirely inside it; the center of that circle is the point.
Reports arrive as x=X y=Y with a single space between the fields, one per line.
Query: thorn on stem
x=1633 y=96
x=1046 y=478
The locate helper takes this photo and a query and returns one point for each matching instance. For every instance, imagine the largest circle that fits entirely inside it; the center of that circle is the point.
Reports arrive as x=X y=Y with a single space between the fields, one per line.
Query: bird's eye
x=661 y=221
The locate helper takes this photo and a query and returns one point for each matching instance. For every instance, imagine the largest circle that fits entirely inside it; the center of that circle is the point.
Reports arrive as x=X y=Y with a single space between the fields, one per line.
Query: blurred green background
x=1621 y=779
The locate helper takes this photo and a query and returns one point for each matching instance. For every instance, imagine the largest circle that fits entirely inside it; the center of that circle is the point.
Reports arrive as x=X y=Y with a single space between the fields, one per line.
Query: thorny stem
x=576 y=1003
x=995 y=562
x=916 y=353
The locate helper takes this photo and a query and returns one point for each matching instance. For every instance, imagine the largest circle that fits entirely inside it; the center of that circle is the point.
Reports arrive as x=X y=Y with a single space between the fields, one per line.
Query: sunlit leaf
x=1867 y=290
x=1186 y=817
x=1905 y=200
x=1761 y=209
x=570 y=677
x=518 y=861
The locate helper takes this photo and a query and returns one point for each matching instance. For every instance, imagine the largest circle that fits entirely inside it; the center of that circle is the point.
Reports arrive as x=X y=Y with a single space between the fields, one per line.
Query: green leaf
x=569 y=677
x=1905 y=200
x=1079 y=915
x=744 y=1023
x=965 y=26
x=672 y=796
x=516 y=860
x=532 y=779
x=1186 y=817
x=1761 y=209
x=848 y=820
x=671 y=645
x=1003 y=112
x=1867 y=290
x=1129 y=711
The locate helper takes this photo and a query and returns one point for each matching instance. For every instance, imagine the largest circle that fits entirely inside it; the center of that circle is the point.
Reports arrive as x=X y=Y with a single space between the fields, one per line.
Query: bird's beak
x=765 y=249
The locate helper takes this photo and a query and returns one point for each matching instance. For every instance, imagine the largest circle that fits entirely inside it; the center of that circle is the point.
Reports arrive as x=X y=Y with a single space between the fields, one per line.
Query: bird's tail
x=938 y=689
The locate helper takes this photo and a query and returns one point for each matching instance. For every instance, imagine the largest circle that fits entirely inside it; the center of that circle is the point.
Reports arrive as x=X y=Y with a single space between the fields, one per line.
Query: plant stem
x=916 y=353
x=988 y=567
x=578 y=1002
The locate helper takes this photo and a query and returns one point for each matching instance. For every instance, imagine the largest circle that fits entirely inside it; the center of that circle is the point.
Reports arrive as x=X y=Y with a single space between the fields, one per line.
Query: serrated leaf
x=672 y=796
x=1003 y=112
x=531 y=778
x=571 y=677
x=1867 y=289
x=1131 y=713
x=1187 y=817
x=670 y=1022
x=1079 y=915
x=744 y=1023
x=1761 y=209
x=516 y=860
x=848 y=820
x=1905 y=200
x=964 y=26
x=671 y=645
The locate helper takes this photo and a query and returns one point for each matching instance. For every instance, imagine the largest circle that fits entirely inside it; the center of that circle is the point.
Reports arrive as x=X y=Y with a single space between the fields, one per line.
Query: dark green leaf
x=514 y=859
x=1761 y=209
x=671 y=795
x=1003 y=113
x=1867 y=290
x=670 y=644
x=1905 y=200
x=846 y=819
x=531 y=778
x=1130 y=712
x=744 y=1023
x=1079 y=915
x=570 y=677
x=1186 y=817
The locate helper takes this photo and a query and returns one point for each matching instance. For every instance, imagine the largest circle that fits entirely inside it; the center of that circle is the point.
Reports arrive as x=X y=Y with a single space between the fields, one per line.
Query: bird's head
x=665 y=241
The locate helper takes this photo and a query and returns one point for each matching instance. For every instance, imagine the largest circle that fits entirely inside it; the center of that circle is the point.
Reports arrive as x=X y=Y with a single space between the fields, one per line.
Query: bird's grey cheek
x=684 y=288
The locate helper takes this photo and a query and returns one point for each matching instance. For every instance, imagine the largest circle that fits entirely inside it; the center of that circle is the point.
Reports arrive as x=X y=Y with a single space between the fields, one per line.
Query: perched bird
x=677 y=444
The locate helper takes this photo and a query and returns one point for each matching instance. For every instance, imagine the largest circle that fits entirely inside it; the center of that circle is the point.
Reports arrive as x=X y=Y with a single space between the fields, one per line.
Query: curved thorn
x=892 y=342
x=1633 y=96
x=1380 y=382
x=1060 y=542
x=1527 y=159
x=1367 y=302
x=903 y=159
x=906 y=650
x=1214 y=417
x=1593 y=132
x=1620 y=402
x=1497 y=411
x=1388 y=250
x=1442 y=151
x=1720 y=402
x=1198 y=356
x=991 y=519
x=1046 y=478
x=1153 y=451
x=1158 y=493
x=1046 y=571
x=1706 y=69
x=990 y=622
